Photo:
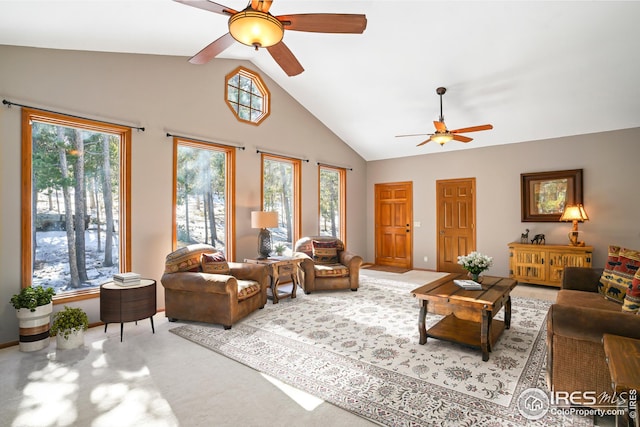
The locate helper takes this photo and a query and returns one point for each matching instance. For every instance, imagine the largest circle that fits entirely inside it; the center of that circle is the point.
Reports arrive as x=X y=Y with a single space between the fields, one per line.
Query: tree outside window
x=75 y=205
x=332 y=197
x=280 y=193
x=201 y=193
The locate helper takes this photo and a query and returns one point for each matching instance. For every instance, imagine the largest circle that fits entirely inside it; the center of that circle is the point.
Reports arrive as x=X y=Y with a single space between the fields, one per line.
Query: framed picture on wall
x=545 y=194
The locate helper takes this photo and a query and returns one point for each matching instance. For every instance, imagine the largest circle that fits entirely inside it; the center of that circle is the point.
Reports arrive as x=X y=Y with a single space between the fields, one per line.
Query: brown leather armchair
x=575 y=326
x=231 y=293
x=320 y=273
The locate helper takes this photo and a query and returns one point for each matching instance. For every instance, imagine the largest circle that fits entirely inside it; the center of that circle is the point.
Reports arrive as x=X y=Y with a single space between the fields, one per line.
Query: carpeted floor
x=359 y=351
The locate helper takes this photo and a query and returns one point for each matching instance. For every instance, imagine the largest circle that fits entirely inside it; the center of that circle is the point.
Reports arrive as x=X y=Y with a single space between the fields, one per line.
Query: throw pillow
x=613 y=254
x=187 y=258
x=215 y=263
x=325 y=252
x=622 y=274
x=632 y=298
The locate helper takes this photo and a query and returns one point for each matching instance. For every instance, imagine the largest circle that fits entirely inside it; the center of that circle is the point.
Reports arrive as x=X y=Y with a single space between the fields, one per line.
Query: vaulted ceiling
x=533 y=69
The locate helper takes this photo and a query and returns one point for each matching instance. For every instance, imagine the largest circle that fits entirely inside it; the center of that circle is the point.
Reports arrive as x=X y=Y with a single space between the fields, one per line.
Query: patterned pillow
x=186 y=258
x=632 y=298
x=215 y=263
x=247 y=289
x=622 y=274
x=325 y=252
x=613 y=254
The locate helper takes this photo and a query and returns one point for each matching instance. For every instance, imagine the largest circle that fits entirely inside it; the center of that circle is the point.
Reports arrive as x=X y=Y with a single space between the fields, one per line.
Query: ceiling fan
x=442 y=135
x=255 y=26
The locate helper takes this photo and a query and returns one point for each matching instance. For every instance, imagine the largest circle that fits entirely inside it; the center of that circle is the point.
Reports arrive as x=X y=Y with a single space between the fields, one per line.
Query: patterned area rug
x=385 y=268
x=359 y=351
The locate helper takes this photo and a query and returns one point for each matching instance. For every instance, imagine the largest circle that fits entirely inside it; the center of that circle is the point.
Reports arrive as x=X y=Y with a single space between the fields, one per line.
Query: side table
x=280 y=267
x=623 y=358
x=119 y=304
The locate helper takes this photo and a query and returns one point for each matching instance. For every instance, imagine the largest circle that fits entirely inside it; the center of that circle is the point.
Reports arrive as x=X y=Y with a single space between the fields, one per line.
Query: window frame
x=262 y=87
x=57 y=119
x=297 y=197
x=342 y=198
x=230 y=193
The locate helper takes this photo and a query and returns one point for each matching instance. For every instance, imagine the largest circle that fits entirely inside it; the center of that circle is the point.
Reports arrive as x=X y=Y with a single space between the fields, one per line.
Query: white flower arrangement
x=475 y=262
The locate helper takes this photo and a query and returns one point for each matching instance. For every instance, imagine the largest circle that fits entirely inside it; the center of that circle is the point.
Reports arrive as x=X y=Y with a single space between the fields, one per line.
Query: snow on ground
x=52 y=261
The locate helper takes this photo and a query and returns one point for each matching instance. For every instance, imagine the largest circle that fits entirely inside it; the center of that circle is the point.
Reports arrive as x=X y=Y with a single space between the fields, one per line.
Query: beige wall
x=162 y=94
x=610 y=172
x=168 y=94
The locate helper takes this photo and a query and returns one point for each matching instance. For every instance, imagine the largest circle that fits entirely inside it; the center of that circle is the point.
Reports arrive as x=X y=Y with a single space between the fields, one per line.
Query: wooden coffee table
x=623 y=358
x=468 y=315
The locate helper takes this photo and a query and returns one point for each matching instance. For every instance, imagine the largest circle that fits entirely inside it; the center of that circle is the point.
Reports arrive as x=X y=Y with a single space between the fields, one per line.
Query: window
x=281 y=193
x=332 y=201
x=247 y=96
x=203 y=194
x=75 y=202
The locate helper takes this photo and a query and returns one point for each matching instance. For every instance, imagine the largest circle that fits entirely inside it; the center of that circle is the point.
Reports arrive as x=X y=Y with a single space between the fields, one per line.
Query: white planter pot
x=34 y=327
x=74 y=340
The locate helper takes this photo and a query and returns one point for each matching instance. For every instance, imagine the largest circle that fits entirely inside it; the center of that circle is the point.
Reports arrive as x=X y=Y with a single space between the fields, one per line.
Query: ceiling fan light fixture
x=442 y=138
x=254 y=28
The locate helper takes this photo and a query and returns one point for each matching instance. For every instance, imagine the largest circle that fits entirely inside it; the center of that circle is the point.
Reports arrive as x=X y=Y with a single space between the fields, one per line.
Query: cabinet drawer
x=285 y=269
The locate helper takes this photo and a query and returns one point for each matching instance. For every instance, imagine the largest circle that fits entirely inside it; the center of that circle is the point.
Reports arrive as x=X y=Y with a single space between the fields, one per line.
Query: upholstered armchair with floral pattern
x=201 y=286
x=326 y=265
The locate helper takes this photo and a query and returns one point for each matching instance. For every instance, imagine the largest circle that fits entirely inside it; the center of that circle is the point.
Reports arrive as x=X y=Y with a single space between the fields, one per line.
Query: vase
x=34 y=327
x=475 y=277
x=74 y=340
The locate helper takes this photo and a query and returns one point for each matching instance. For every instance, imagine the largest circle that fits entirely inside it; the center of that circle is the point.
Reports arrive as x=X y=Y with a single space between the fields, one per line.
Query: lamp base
x=573 y=239
x=264 y=243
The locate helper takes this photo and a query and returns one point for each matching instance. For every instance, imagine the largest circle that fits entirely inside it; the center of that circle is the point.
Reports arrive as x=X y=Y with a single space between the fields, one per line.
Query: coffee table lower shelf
x=466 y=332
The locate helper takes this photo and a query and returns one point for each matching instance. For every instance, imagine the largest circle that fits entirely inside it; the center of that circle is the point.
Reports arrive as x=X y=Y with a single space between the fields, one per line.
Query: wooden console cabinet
x=543 y=264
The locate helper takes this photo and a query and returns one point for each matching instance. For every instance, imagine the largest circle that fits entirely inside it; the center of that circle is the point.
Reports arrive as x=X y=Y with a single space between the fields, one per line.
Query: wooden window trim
x=230 y=186
x=29 y=115
x=342 y=175
x=262 y=87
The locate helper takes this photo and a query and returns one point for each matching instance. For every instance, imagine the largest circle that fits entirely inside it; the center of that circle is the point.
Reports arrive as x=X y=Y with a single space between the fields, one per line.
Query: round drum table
x=119 y=304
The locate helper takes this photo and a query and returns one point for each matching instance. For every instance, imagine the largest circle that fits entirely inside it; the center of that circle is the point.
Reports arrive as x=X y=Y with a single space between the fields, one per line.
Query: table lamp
x=264 y=220
x=574 y=213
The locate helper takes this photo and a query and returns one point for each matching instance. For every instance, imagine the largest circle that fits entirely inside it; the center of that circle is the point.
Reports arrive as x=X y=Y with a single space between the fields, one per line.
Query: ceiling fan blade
x=209 y=5
x=462 y=138
x=472 y=129
x=325 y=22
x=413 y=134
x=261 y=5
x=285 y=59
x=440 y=126
x=424 y=142
x=212 y=50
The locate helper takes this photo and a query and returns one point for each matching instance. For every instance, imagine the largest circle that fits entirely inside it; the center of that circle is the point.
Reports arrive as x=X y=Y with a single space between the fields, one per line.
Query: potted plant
x=33 y=308
x=68 y=327
x=280 y=248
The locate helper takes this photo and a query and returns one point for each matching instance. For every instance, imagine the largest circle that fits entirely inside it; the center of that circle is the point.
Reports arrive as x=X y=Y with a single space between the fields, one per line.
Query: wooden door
x=394 y=224
x=456 y=220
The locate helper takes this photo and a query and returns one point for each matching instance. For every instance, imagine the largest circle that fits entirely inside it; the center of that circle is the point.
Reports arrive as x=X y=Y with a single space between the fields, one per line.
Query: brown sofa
x=575 y=326
x=191 y=294
x=343 y=274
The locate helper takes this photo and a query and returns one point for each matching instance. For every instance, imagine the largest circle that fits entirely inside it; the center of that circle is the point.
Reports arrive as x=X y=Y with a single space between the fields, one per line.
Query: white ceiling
x=535 y=69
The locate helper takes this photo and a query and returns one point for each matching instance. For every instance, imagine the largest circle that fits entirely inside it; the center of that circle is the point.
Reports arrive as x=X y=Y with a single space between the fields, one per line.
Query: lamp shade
x=263 y=219
x=255 y=28
x=574 y=213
